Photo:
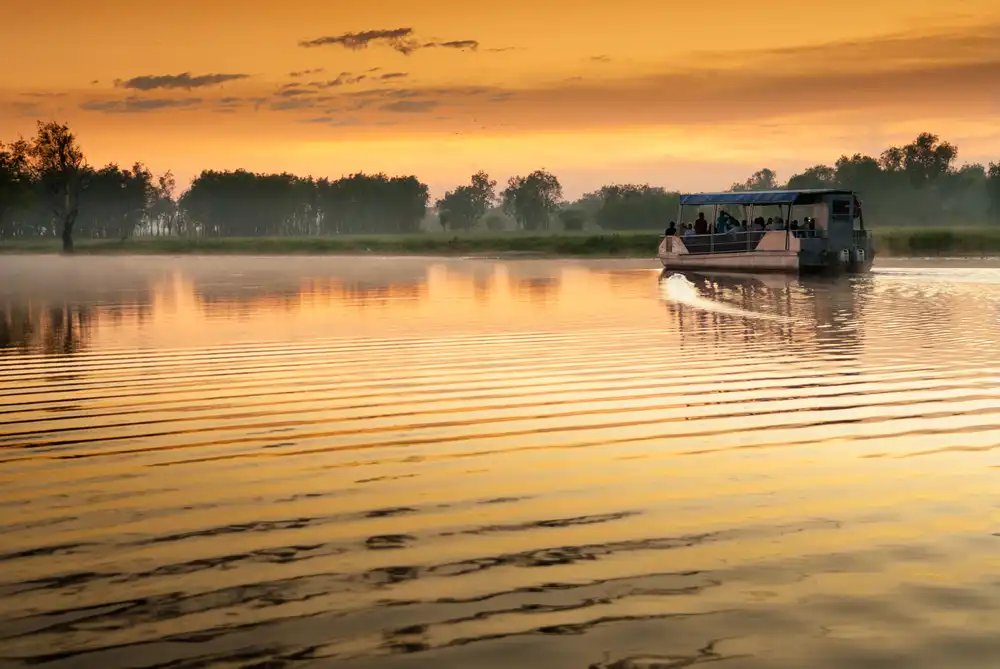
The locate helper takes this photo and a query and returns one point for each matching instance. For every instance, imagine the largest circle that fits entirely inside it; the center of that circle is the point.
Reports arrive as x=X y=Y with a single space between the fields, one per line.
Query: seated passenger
x=671 y=230
x=794 y=225
x=688 y=230
x=700 y=224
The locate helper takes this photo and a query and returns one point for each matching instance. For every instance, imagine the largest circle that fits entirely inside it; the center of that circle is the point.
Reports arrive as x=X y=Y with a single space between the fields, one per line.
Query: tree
x=58 y=166
x=531 y=200
x=462 y=207
x=993 y=191
x=164 y=211
x=926 y=159
x=636 y=207
x=572 y=219
x=817 y=176
x=15 y=181
x=763 y=179
x=116 y=201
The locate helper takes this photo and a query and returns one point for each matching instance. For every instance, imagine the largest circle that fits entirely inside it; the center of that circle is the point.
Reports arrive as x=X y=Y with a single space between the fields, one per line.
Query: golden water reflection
x=285 y=462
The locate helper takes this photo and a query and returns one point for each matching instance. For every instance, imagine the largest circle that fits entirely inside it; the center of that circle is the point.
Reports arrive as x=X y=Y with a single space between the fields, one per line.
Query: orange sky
x=688 y=97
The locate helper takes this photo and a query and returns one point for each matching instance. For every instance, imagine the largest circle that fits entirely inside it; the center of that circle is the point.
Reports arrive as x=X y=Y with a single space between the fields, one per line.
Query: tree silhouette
x=572 y=219
x=46 y=190
x=15 y=181
x=926 y=159
x=762 y=179
x=817 y=176
x=58 y=165
x=462 y=207
x=531 y=200
x=636 y=207
x=993 y=191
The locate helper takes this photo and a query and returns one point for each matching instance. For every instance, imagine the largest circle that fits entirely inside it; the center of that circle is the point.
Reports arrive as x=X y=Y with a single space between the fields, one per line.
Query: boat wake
x=678 y=289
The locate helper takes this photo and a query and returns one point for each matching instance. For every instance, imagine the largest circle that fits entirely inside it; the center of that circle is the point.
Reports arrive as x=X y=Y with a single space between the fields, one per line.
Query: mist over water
x=384 y=462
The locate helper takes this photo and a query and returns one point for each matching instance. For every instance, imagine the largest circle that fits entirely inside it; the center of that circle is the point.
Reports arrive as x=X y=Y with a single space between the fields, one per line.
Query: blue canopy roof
x=759 y=196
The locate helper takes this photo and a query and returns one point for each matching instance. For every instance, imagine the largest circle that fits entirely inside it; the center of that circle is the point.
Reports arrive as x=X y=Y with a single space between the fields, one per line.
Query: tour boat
x=816 y=230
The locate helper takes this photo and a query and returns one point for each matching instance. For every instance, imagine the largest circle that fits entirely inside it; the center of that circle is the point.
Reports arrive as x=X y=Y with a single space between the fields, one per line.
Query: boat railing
x=723 y=242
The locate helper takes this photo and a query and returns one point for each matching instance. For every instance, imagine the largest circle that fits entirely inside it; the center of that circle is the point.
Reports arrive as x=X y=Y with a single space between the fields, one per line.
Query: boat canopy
x=807 y=196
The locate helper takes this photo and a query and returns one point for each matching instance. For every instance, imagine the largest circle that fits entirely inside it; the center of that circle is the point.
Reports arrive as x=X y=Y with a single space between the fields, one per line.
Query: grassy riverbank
x=953 y=241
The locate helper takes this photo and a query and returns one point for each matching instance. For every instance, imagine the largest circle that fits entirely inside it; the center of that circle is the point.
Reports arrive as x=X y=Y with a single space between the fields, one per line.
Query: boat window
x=840 y=208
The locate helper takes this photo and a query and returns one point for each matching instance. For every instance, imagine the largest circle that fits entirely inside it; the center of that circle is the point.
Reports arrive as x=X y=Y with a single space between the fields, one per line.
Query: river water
x=373 y=462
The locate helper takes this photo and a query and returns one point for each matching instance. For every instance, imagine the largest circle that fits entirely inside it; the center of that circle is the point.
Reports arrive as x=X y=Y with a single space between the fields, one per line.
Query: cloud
x=184 y=80
x=303 y=73
x=410 y=106
x=22 y=108
x=344 y=79
x=601 y=59
x=399 y=39
x=135 y=104
x=293 y=92
x=392 y=75
x=465 y=44
x=402 y=40
x=951 y=74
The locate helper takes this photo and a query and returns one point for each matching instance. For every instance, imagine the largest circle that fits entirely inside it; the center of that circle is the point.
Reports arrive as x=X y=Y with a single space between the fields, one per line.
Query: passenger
x=700 y=224
x=794 y=225
x=671 y=229
x=688 y=230
x=770 y=224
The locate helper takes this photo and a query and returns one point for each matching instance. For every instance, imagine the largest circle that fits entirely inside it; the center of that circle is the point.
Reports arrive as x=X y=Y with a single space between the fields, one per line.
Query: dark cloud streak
x=138 y=105
x=398 y=39
x=410 y=106
x=184 y=80
x=303 y=73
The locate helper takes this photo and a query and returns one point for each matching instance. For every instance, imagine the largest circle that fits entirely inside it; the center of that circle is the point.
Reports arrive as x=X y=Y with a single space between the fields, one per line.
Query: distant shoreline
x=971 y=242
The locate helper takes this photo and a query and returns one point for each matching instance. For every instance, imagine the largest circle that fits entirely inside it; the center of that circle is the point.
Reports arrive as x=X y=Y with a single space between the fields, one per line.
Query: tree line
x=48 y=189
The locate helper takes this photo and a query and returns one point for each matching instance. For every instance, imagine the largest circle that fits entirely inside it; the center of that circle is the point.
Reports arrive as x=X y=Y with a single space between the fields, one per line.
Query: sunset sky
x=689 y=96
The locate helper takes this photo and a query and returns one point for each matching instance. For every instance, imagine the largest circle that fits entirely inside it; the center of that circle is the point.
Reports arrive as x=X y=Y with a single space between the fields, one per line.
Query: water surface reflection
x=285 y=462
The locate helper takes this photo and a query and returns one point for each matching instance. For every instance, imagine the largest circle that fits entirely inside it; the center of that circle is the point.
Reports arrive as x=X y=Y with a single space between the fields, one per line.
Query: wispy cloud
x=293 y=92
x=305 y=73
x=185 y=80
x=410 y=106
x=462 y=44
x=402 y=40
x=603 y=58
x=137 y=105
x=397 y=38
x=392 y=75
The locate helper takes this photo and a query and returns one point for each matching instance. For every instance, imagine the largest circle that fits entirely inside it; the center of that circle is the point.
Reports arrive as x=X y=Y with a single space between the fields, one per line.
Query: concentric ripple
x=311 y=462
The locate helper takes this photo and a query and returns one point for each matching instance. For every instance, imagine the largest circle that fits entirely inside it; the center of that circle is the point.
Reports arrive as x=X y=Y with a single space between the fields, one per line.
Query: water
x=311 y=462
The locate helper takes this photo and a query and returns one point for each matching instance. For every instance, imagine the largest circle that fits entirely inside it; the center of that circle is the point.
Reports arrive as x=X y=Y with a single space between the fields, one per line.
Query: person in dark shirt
x=671 y=229
x=700 y=224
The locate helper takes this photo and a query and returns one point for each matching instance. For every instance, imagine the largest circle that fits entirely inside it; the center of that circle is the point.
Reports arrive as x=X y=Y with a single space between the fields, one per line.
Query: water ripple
x=542 y=463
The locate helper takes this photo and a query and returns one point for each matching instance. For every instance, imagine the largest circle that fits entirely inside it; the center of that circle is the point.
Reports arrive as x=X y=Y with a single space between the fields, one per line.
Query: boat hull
x=770 y=255
x=746 y=261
